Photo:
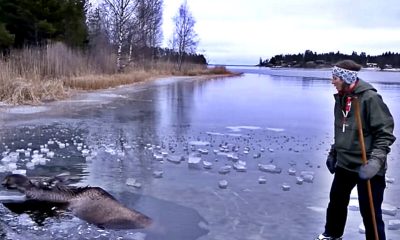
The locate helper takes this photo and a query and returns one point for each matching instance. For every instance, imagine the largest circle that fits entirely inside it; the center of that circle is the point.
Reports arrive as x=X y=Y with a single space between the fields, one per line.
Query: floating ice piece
x=133 y=182
x=234 y=135
x=225 y=169
x=158 y=174
x=292 y=171
x=240 y=166
x=389 y=179
x=175 y=159
x=2 y=169
x=164 y=153
x=270 y=149
x=11 y=157
x=223 y=184
x=262 y=180
x=199 y=143
x=215 y=133
x=285 y=187
x=299 y=180
x=207 y=165
x=19 y=171
x=61 y=145
x=158 y=156
x=270 y=168
x=110 y=151
x=275 y=129
x=238 y=128
x=353 y=205
x=11 y=166
x=194 y=162
x=50 y=154
x=30 y=165
x=202 y=151
x=25 y=220
x=361 y=228
x=233 y=157
x=27 y=153
x=389 y=209
x=257 y=155
x=308 y=176
x=85 y=152
x=394 y=224
x=354 y=194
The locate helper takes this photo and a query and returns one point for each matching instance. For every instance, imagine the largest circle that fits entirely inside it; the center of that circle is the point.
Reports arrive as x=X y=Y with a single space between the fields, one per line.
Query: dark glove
x=331 y=160
x=375 y=162
x=369 y=170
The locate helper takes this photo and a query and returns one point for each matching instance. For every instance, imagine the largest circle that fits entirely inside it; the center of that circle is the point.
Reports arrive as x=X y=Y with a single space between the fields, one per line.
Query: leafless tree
x=185 y=39
x=119 y=14
x=146 y=30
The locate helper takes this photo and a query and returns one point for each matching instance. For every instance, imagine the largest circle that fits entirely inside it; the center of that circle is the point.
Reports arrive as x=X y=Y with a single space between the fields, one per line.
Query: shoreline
x=89 y=96
x=39 y=92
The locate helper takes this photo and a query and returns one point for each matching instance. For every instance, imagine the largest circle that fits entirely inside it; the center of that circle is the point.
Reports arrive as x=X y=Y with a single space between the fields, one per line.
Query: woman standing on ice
x=345 y=157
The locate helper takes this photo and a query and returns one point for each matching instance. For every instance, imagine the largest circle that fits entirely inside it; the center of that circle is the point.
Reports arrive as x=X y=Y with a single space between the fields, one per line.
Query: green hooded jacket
x=377 y=123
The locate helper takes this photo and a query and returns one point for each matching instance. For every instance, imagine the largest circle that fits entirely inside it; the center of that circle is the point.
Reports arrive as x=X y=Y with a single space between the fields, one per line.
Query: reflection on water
x=278 y=117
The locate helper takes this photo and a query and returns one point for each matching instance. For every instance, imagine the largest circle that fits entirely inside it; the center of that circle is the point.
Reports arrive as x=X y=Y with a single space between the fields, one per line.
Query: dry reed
x=34 y=75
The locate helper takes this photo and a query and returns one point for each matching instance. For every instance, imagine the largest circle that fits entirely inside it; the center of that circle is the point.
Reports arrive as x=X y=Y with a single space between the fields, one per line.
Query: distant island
x=310 y=59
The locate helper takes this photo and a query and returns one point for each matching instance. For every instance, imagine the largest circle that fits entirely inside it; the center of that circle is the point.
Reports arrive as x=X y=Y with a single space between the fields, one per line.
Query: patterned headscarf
x=346 y=75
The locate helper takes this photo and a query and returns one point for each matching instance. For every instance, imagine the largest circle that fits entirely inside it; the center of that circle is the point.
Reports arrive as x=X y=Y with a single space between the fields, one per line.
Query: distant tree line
x=310 y=59
x=129 y=28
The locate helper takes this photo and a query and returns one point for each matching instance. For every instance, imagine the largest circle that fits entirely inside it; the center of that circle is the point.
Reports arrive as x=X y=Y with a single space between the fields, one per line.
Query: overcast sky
x=242 y=31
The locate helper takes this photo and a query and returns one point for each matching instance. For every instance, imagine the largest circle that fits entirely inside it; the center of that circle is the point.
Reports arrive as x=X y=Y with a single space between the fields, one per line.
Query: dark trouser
x=344 y=181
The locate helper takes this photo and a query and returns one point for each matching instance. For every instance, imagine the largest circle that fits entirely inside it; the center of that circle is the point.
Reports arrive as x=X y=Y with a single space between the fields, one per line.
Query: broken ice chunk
x=262 y=180
x=207 y=165
x=394 y=224
x=133 y=182
x=292 y=171
x=223 y=184
x=308 y=176
x=158 y=174
x=194 y=162
x=353 y=205
x=19 y=171
x=175 y=159
x=50 y=154
x=299 y=180
x=233 y=157
x=270 y=168
x=158 y=156
x=285 y=187
x=202 y=151
x=389 y=179
x=389 y=209
x=361 y=228
x=240 y=166
x=225 y=169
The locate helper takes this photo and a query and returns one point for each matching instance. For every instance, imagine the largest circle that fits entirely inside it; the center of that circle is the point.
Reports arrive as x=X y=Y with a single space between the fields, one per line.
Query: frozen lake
x=260 y=132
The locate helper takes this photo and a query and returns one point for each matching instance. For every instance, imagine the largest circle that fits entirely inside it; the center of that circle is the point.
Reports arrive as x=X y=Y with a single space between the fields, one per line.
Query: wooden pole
x=364 y=160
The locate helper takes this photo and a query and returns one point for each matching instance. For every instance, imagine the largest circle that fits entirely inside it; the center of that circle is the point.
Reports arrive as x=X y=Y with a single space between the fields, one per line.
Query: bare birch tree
x=184 y=38
x=147 y=25
x=120 y=13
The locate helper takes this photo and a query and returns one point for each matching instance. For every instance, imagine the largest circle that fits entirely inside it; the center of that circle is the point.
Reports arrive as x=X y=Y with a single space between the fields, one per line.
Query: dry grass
x=31 y=76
